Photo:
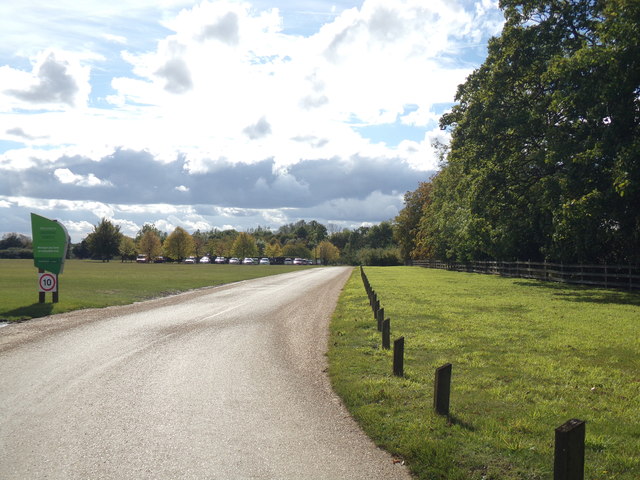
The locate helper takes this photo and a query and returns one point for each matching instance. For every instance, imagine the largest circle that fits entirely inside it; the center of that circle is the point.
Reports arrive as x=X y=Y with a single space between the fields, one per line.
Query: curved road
x=220 y=383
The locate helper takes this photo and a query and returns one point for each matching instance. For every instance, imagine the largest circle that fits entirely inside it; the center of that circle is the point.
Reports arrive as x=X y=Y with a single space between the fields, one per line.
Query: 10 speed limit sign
x=48 y=282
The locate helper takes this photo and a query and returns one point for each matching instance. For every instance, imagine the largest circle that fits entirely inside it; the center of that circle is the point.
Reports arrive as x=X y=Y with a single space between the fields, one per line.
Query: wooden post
x=442 y=390
x=380 y=318
x=386 y=334
x=398 y=357
x=569 y=452
x=55 y=294
x=546 y=275
x=41 y=297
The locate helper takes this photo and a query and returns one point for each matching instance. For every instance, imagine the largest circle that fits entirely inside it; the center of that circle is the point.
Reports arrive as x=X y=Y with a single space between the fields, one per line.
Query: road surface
x=220 y=383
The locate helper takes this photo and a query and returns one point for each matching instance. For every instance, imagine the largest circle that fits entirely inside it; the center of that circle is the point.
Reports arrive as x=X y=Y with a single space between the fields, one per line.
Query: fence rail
x=608 y=276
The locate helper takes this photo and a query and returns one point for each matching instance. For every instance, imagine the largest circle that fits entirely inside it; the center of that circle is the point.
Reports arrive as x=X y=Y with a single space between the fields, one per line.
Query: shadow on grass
x=25 y=313
x=454 y=420
x=585 y=294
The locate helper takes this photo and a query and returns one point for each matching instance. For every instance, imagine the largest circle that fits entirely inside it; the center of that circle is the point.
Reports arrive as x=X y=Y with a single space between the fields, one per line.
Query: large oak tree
x=544 y=160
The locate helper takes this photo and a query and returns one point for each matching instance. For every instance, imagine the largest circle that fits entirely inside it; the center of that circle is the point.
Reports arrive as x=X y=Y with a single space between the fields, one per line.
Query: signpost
x=50 y=243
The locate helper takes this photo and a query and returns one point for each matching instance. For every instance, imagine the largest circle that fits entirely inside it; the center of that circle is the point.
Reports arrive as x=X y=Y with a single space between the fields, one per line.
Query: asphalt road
x=220 y=383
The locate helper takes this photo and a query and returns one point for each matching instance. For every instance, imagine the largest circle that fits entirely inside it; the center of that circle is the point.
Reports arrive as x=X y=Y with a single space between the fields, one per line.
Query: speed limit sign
x=48 y=282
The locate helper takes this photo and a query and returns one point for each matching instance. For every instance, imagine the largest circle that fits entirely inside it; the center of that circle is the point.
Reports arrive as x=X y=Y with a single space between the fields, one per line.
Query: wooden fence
x=608 y=276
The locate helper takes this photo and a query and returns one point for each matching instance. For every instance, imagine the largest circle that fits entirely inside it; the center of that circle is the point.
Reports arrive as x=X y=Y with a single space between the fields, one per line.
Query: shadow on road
x=20 y=314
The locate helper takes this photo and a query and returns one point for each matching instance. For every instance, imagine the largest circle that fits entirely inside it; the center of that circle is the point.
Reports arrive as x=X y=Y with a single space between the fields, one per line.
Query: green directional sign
x=50 y=242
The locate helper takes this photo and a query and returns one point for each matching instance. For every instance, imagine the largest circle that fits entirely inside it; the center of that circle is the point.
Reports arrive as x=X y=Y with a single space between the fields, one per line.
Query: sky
x=226 y=114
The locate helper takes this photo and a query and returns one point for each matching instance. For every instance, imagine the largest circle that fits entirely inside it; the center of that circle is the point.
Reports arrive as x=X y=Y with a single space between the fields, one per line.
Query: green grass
x=527 y=356
x=88 y=284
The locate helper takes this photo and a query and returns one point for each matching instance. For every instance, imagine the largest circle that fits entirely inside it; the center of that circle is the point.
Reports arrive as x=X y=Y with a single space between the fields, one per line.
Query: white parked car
x=265 y=261
x=220 y=260
x=247 y=261
x=190 y=260
x=288 y=261
x=298 y=261
x=235 y=261
x=205 y=259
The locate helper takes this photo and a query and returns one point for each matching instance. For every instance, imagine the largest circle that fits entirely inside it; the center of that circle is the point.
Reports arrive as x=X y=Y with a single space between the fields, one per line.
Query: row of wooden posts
x=569 y=437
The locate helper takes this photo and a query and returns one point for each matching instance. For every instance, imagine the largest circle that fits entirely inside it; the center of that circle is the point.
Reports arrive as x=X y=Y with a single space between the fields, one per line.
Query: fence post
x=386 y=334
x=546 y=275
x=55 y=297
x=568 y=463
x=398 y=357
x=442 y=389
x=380 y=318
x=41 y=295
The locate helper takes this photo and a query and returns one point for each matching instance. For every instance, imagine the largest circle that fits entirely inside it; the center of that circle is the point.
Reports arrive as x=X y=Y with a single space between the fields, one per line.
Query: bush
x=379 y=257
x=16 y=253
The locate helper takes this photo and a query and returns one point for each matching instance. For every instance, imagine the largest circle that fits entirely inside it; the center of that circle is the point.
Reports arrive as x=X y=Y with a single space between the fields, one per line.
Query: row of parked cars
x=233 y=260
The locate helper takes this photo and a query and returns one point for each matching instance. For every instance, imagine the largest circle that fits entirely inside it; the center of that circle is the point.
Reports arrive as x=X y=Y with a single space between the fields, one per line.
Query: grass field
x=527 y=356
x=87 y=284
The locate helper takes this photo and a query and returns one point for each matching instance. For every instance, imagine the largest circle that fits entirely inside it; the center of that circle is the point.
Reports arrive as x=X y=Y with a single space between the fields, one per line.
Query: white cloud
x=219 y=103
x=66 y=176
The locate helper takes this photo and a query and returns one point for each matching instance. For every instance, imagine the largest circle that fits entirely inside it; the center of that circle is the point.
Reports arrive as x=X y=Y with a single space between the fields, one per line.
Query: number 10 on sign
x=47 y=282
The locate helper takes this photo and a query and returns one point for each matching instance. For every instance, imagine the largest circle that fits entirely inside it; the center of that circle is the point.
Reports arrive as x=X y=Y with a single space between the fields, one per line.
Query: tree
x=340 y=238
x=150 y=227
x=379 y=236
x=15 y=240
x=127 y=248
x=150 y=245
x=81 y=250
x=273 y=249
x=407 y=222
x=296 y=249
x=104 y=241
x=199 y=243
x=328 y=252
x=244 y=246
x=317 y=233
x=16 y=245
x=179 y=244
x=544 y=158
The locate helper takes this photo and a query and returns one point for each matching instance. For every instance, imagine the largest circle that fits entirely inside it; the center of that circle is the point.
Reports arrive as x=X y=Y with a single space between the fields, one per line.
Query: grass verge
x=93 y=284
x=527 y=356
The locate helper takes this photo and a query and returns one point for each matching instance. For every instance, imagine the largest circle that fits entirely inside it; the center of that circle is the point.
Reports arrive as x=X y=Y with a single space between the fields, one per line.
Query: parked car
x=288 y=261
x=190 y=260
x=205 y=259
x=141 y=259
x=221 y=260
x=247 y=261
x=265 y=261
x=234 y=260
x=298 y=261
x=159 y=259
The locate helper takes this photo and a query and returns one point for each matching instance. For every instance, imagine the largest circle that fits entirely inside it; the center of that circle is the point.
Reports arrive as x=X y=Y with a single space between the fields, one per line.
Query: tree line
x=372 y=245
x=544 y=161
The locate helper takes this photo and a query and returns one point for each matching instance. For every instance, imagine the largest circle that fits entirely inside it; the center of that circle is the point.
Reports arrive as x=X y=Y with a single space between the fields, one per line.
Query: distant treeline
x=366 y=245
x=15 y=245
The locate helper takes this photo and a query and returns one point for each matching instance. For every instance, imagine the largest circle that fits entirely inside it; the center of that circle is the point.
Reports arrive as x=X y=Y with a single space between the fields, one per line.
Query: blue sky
x=226 y=114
